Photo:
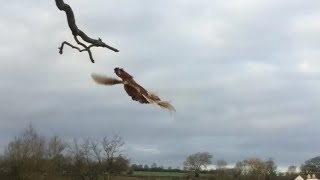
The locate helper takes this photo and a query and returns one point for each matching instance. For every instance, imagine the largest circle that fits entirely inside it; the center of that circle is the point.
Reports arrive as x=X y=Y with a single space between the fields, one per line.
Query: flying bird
x=133 y=89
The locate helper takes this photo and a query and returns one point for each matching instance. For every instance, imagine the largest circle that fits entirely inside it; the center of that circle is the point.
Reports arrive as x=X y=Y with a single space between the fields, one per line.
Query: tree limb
x=77 y=32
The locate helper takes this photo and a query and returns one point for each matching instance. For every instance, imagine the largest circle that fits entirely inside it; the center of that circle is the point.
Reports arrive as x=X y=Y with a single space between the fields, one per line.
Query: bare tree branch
x=77 y=32
x=96 y=150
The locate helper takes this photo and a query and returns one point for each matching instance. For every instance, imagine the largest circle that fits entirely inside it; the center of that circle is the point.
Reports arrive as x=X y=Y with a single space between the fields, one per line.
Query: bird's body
x=133 y=89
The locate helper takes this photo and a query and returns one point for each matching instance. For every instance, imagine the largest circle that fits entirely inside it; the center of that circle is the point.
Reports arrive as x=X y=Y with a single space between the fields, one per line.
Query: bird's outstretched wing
x=135 y=93
x=105 y=80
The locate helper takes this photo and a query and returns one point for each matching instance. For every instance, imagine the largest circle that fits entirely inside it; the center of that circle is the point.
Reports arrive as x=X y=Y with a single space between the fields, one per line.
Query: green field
x=151 y=173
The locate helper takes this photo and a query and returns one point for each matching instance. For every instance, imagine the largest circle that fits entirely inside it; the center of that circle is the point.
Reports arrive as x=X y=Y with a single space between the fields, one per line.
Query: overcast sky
x=244 y=76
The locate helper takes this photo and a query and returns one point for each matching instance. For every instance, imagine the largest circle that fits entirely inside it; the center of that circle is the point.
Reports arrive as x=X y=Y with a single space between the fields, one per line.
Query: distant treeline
x=154 y=168
x=31 y=156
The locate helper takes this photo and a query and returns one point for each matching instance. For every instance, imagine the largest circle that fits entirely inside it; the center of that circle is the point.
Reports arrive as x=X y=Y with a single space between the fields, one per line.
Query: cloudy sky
x=244 y=76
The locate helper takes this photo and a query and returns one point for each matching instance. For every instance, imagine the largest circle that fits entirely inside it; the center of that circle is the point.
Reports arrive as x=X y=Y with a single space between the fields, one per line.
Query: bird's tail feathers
x=153 y=99
x=153 y=96
x=166 y=105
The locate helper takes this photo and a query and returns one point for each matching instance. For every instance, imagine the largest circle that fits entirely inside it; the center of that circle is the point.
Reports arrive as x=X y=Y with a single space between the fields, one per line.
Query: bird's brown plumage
x=133 y=89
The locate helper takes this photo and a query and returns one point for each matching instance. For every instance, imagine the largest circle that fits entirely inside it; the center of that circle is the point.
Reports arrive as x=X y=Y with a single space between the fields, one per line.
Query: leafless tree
x=55 y=147
x=93 y=159
x=54 y=155
x=256 y=168
x=292 y=169
x=82 y=159
x=32 y=156
x=111 y=150
x=221 y=167
x=25 y=153
x=97 y=151
x=221 y=164
x=197 y=161
x=154 y=166
x=271 y=168
x=112 y=147
x=77 y=32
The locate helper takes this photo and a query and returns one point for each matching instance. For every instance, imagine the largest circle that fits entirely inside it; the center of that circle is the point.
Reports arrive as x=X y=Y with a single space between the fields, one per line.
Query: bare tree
x=154 y=166
x=197 y=161
x=221 y=164
x=54 y=155
x=292 y=169
x=271 y=169
x=25 y=153
x=221 y=167
x=112 y=150
x=55 y=147
x=92 y=158
x=240 y=169
x=96 y=148
x=77 y=32
x=83 y=161
x=32 y=156
x=256 y=168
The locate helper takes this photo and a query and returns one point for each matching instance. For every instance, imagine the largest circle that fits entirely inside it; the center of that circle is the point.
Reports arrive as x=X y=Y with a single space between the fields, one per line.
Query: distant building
x=299 y=178
x=312 y=177
x=308 y=177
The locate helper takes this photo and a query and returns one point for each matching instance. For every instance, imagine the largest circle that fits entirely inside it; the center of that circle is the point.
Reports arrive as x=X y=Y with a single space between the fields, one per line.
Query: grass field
x=151 y=173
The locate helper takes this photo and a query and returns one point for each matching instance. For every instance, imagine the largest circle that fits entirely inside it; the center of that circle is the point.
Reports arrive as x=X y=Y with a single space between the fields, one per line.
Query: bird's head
x=118 y=71
x=122 y=74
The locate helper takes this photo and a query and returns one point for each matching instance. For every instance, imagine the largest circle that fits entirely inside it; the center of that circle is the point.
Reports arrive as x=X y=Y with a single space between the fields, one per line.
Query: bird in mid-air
x=133 y=89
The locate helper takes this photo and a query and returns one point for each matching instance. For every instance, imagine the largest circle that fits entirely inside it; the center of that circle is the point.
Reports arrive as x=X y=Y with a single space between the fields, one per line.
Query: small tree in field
x=195 y=162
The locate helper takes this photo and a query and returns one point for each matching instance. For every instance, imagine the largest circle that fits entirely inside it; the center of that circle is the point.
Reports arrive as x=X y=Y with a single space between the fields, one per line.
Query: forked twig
x=77 y=32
